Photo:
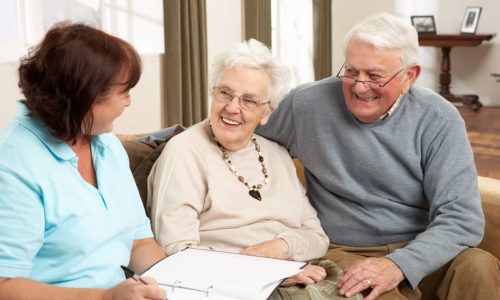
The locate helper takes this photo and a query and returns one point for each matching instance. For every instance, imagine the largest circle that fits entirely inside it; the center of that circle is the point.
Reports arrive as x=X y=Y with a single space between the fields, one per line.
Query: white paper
x=220 y=275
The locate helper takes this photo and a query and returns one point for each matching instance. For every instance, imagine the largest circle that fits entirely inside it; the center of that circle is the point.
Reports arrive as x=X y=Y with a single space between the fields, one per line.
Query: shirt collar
x=391 y=109
x=56 y=146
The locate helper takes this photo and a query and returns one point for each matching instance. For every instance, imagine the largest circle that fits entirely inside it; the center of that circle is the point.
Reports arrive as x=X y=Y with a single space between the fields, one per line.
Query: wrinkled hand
x=379 y=273
x=310 y=274
x=133 y=290
x=276 y=248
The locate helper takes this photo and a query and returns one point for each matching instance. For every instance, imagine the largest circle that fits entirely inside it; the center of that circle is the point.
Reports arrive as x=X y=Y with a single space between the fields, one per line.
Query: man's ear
x=411 y=77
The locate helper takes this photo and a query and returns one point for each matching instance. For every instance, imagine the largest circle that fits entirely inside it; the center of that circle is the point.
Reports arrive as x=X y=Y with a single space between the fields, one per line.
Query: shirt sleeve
x=22 y=224
x=120 y=161
x=456 y=219
x=175 y=205
x=143 y=229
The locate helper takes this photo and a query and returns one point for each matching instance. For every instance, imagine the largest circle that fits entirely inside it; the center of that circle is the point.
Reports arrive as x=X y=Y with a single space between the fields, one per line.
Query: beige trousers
x=473 y=274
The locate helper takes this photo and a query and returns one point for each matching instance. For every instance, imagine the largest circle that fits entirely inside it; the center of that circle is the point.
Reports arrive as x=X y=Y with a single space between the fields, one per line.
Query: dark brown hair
x=73 y=67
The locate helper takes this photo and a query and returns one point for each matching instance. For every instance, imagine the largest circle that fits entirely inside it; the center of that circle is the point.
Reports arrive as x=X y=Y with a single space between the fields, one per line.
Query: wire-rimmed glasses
x=247 y=102
x=366 y=83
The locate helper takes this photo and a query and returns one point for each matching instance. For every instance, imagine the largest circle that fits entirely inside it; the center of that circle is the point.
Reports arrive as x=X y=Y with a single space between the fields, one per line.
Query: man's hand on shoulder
x=379 y=273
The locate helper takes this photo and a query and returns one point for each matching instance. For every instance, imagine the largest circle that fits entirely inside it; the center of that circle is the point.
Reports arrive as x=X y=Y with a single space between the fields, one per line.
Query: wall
x=10 y=91
x=224 y=26
x=144 y=114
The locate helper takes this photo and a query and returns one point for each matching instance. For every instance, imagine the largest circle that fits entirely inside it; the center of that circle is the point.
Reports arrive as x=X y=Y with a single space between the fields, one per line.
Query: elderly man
x=390 y=171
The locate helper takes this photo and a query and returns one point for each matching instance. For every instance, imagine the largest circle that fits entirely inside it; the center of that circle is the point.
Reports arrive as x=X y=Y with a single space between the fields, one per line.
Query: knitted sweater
x=410 y=177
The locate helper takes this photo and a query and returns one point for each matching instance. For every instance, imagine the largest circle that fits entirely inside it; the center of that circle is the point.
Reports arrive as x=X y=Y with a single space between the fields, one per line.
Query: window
x=292 y=37
x=24 y=22
x=15 y=35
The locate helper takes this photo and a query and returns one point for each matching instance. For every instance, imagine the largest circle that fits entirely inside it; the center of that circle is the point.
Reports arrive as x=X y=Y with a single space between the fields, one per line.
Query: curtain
x=185 y=98
x=258 y=20
x=322 y=28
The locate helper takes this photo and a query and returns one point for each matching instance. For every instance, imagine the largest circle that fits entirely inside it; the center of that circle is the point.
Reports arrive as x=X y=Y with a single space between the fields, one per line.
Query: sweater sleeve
x=177 y=189
x=456 y=220
x=309 y=241
x=281 y=125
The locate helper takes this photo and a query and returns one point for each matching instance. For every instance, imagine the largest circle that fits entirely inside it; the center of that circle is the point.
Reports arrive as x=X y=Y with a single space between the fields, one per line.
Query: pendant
x=255 y=194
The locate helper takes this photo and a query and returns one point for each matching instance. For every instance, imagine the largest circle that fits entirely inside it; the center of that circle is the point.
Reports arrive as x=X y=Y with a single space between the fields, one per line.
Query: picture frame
x=424 y=24
x=471 y=19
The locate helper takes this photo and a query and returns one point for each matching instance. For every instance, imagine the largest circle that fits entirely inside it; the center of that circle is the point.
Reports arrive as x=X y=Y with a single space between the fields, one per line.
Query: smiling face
x=365 y=62
x=105 y=111
x=232 y=125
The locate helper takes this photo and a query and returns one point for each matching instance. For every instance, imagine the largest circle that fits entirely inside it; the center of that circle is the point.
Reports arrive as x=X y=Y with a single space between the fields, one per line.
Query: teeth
x=366 y=99
x=229 y=121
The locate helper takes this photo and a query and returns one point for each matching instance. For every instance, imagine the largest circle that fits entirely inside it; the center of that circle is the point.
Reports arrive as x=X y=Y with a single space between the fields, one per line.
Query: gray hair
x=385 y=31
x=254 y=54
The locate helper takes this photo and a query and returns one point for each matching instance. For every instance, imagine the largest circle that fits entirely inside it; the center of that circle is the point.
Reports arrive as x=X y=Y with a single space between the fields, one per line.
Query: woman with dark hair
x=71 y=213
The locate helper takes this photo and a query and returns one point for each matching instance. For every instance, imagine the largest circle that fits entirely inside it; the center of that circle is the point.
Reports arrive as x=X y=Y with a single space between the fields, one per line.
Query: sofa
x=143 y=153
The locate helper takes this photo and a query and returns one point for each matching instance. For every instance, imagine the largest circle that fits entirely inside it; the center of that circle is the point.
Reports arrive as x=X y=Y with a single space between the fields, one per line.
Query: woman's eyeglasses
x=247 y=102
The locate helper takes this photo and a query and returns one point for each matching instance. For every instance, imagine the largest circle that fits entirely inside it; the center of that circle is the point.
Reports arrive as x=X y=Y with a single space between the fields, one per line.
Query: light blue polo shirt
x=54 y=226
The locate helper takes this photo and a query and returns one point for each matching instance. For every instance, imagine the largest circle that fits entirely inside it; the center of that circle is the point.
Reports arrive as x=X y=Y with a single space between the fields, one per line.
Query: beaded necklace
x=253 y=190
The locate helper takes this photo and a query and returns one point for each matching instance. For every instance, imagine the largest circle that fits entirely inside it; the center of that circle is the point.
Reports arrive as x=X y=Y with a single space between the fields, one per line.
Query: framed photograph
x=471 y=19
x=424 y=24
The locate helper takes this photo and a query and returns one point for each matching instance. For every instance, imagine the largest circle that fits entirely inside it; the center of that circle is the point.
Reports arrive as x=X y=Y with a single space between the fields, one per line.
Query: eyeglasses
x=366 y=83
x=247 y=102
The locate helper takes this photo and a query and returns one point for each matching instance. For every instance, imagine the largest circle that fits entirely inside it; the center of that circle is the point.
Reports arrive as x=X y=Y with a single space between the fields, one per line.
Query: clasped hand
x=379 y=273
x=310 y=274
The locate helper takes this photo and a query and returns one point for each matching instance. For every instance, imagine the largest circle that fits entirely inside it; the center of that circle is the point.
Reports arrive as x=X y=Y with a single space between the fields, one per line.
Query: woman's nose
x=233 y=105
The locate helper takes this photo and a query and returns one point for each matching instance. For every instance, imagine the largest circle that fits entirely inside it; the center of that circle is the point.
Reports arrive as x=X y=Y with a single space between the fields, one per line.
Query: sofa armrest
x=490 y=198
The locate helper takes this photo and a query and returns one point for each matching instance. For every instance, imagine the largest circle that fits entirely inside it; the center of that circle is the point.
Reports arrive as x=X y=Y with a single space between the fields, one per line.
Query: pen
x=131 y=274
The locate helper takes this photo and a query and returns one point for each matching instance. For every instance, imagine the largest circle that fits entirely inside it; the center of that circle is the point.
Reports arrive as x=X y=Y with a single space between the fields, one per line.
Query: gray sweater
x=410 y=177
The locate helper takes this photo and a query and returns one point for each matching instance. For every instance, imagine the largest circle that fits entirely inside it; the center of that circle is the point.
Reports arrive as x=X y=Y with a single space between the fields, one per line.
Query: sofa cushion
x=144 y=152
x=490 y=198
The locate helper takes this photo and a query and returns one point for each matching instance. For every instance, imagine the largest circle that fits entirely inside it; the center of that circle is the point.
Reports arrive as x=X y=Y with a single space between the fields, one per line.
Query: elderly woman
x=219 y=186
x=70 y=212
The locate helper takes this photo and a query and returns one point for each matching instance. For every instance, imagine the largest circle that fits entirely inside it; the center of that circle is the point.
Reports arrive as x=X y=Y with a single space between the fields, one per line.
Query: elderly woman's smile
x=230 y=122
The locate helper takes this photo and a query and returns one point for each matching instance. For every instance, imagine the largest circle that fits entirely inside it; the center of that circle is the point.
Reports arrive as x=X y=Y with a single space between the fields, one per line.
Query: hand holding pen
x=137 y=288
x=131 y=274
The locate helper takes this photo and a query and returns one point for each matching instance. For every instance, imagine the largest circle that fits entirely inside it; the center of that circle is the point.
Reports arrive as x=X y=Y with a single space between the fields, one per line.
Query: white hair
x=385 y=31
x=254 y=54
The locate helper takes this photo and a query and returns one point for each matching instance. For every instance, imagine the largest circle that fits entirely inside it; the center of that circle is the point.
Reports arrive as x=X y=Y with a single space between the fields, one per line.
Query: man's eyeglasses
x=247 y=102
x=367 y=83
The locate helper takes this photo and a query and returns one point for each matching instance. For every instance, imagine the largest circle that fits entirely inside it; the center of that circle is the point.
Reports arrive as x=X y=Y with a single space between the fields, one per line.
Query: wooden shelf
x=453 y=40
